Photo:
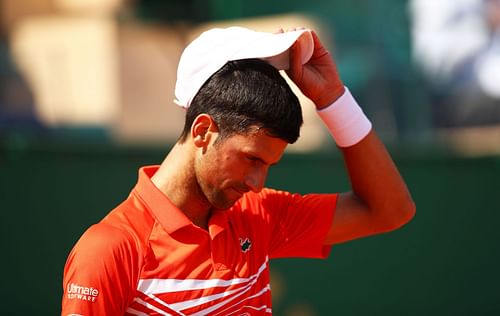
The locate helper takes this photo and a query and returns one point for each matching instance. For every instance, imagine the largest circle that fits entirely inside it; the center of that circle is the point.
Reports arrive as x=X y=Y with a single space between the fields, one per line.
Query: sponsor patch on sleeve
x=83 y=293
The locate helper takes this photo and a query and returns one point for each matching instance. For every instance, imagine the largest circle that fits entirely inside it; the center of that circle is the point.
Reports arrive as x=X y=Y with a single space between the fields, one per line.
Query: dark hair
x=244 y=94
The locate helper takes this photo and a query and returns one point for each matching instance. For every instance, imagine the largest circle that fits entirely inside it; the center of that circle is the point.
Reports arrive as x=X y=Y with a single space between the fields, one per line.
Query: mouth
x=238 y=192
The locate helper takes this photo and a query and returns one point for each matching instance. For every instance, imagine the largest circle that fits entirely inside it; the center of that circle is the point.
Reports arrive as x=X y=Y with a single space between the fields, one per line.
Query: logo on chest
x=245 y=244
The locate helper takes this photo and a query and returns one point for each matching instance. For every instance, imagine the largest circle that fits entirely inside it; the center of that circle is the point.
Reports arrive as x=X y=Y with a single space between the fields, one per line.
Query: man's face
x=235 y=165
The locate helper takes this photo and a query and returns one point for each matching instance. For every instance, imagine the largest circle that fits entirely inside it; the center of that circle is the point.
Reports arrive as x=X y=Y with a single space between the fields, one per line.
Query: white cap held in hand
x=215 y=47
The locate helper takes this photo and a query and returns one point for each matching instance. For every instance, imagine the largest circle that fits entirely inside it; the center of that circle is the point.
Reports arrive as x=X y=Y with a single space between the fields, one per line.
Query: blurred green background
x=55 y=181
x=444 y=262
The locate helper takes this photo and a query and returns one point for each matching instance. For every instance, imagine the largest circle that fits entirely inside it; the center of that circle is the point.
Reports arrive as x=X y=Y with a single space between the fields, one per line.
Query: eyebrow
x=262 y=160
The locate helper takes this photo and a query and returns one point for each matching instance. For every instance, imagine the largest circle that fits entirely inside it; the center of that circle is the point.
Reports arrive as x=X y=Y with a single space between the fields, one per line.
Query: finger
x=319 y=49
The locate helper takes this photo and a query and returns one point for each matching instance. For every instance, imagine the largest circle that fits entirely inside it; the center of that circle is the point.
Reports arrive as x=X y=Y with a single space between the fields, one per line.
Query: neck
x=177 y=180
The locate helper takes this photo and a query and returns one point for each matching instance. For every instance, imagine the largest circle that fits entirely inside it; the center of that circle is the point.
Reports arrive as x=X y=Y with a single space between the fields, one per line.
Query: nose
x=256 y=179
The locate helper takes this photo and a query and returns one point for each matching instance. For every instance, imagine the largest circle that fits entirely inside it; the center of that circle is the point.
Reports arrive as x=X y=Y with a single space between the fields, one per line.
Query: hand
x=318 y=79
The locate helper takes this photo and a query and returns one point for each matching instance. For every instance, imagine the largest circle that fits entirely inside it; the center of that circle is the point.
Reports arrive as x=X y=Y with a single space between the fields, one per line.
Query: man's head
x=240 y=112
x=247 y=94
x=240 y=121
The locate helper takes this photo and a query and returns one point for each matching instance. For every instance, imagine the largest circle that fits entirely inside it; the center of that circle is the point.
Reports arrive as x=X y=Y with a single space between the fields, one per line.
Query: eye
x=254 y=160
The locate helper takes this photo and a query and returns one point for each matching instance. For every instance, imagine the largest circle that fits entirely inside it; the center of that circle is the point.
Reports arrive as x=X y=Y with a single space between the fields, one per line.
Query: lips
x=239 y=192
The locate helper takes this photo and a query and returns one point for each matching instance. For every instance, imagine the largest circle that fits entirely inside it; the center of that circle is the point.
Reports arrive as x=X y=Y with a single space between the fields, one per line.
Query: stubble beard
x=213 y=197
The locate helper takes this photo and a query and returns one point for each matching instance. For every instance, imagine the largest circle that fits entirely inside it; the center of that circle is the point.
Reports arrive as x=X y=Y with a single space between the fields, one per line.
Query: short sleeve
x=299 y=223
x=99 y=273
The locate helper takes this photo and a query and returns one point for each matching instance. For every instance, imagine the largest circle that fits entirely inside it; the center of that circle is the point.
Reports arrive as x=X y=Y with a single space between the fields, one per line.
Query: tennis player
x=197 y=233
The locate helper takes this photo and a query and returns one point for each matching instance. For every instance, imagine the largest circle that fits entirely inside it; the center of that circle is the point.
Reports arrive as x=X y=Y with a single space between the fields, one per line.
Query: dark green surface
x=445 y=262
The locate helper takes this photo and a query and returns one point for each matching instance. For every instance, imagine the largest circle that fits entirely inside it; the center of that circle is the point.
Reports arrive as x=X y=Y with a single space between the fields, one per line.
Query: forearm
x=375 y=180
x=379 y=201
x=377 y=183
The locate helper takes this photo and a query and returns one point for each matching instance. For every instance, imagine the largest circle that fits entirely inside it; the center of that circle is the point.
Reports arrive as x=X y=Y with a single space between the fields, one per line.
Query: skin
x=379 y=200
x=200 y=175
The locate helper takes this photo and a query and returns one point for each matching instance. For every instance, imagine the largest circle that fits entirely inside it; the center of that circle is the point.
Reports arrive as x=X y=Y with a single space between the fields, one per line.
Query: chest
x=221 y=252
x=193 y=271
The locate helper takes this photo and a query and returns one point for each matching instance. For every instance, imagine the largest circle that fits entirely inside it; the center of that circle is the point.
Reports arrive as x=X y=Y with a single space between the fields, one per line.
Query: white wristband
x=345 y=120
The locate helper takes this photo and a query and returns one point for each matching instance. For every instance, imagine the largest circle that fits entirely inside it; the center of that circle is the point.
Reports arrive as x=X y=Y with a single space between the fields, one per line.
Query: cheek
x=230 y=171
x=218 y=171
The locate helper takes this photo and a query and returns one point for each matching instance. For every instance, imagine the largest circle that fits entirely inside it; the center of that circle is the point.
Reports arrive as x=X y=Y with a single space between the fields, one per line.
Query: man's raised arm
x=379 y=200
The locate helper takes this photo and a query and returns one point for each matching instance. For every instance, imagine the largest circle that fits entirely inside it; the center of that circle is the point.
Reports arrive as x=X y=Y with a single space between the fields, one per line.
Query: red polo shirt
x=146 y=257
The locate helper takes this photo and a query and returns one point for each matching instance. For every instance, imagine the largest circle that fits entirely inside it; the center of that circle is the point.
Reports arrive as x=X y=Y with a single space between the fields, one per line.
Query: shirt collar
x=167 y=214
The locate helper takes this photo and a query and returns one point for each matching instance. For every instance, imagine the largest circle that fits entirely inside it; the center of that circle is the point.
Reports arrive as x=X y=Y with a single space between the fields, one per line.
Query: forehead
x=258 y=143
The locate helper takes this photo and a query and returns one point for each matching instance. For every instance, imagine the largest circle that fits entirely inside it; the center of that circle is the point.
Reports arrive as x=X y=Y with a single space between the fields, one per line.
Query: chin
x=224 y=203
x=223 y=199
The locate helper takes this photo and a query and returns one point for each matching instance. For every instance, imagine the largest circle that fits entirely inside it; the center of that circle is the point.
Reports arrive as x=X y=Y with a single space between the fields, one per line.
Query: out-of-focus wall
x=88 y=70
x=71 y=65
x=129 y=50
x=67 y=52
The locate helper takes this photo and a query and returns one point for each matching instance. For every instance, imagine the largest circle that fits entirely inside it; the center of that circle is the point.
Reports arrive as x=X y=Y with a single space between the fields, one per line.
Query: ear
x=203 y=130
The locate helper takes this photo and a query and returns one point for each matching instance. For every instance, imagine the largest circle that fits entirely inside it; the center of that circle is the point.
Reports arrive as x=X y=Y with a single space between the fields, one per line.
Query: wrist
x=345 y=120
x=327 y=98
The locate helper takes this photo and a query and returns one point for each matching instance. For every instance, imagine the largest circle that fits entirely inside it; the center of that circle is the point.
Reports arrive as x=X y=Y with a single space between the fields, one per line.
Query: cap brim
x=275 y=47
x=214 y=48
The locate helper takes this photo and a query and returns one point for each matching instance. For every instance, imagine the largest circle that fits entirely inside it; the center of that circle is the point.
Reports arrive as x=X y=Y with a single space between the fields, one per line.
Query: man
x=196 y=234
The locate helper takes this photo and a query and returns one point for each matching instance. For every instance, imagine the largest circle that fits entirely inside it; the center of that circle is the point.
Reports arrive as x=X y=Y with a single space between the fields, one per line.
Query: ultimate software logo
x=84 y=293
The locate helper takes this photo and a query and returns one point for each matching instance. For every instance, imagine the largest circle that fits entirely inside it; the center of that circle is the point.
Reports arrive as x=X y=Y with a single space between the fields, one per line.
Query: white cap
x=215 y=47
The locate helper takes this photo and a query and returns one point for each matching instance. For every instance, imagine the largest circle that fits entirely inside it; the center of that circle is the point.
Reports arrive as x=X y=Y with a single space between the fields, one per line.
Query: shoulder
x=103 y=242
x=107 y=259
x=262 y=206
x=108 y=234
x=265 y=197
x=129 y=225
x=273 y=198
x=122 y=235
